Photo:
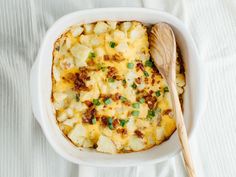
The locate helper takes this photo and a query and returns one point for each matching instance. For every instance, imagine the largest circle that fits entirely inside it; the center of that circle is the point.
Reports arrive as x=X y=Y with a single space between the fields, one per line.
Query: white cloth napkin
x=24 y=151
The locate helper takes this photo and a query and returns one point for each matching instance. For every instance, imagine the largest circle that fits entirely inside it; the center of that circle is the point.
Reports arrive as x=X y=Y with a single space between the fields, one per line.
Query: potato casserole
x=106 y=91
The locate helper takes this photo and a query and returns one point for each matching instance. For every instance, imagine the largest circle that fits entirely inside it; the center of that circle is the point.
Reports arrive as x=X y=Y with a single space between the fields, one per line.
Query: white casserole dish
x=40 y=83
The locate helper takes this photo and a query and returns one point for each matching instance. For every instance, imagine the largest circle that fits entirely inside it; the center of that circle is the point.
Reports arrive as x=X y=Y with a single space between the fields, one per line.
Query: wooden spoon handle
x=183 y=137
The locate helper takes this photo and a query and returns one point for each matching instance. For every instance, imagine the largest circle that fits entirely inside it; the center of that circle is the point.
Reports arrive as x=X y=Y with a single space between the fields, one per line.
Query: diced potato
x=67 y=63
x=68 y=43
x=122 y=112
x=88 y=28
x=87 y=143
x=80 y=52
x=92 y=94
x=56 y=73
x=100 y=27
x=106 y=145
x=76 y=31
x=61 y=117
x=126 y=26
x=100 y=52
x=136 y=144
x=69 y=112
x=130 y=94
x=107 y=132
x=144 y=112
x=160 y=133
x=78 y=106
x=95 y=41
x=122 y=47
x=86 y=40
x=131 y=125
x=130 y=77
x=118 y=35
x=136 y=33
x=71 y=122
x=168 y=124
x=58 y=96
x=77 y=134
x=142 y=123
x=112 y=24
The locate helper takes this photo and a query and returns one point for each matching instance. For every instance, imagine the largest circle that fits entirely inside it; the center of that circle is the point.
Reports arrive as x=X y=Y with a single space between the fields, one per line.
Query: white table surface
x=24 y=151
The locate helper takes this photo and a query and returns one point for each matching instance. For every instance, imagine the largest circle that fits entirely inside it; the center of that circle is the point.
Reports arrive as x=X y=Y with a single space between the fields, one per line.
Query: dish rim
x=38 y=64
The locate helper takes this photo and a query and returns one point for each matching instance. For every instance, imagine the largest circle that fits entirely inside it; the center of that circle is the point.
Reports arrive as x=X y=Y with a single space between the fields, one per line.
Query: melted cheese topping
x=107 y=93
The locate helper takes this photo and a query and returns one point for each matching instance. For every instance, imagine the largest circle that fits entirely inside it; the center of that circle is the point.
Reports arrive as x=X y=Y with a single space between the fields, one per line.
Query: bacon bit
x=153 y=79
x=80 y=78
x=106 y=57
x=118 y=78
x=138 y=133
x=90 y=62
x=127 y=103
x=150 y=100
x=115 y=123
x=83 y=73
x=104 y=120
x=155 y=70
x=112 y=71
x=80 y=85
x=167 y=111
x=121 y=131
x=117 y=57
x=138 y=80
x=140 y=66
x=146 y=80
x=89 y=114
x=116 y=97
x=88 y=103
x=151 y=92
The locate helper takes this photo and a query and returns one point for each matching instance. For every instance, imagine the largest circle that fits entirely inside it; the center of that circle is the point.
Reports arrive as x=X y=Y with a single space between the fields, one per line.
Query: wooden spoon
x=163 y=52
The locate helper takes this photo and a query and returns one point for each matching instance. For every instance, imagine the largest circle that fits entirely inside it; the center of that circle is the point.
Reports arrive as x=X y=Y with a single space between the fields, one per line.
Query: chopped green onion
x=110 y=120
x=77 y=97
x=123 y=122
x=158 y=93
x=124 y=82
x=149 y=63
x=92 y=55
x=135 y=105
x=96 y=102
x=94 y=120
x=111 y=80
x=112 y=44
x=130 y=65
x=166 y=89
x=101 y=67
x=111 y=126
x=135 y=113
x=142 y=100
x=145 y=73
x=107 y=101
x=151 y=113
x=123 y=99
x=134 y=86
